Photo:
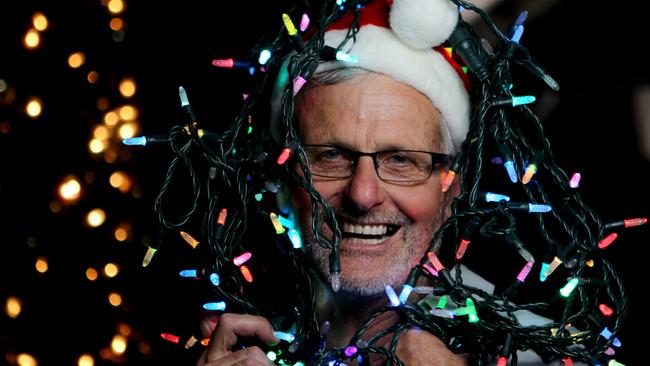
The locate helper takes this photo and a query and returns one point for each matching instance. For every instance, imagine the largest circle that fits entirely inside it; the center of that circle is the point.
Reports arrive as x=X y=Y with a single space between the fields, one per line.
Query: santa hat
x=403 y=39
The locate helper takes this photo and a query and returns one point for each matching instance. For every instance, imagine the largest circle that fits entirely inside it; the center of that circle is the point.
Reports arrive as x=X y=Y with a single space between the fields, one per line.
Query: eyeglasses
x=393 y=166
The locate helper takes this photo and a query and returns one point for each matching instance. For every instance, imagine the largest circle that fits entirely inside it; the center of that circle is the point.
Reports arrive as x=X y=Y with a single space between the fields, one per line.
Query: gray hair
x=333 y=72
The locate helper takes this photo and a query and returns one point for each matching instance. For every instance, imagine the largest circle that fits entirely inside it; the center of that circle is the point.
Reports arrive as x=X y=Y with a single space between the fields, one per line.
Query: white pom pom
x=423 y=23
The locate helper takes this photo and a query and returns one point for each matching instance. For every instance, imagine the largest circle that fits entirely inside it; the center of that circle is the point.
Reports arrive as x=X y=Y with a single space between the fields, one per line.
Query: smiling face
x=386 y=227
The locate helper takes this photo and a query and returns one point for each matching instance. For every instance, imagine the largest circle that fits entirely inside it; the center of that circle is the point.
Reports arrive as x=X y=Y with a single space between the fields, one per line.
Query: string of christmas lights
x=235 y=174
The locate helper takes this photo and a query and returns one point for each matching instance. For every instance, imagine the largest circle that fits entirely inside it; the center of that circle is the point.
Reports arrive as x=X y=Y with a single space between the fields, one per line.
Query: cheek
x=420 y=204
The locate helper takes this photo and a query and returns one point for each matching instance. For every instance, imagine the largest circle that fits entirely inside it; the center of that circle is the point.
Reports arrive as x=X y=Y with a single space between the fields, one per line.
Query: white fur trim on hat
x=423 y=23
x=378 y=49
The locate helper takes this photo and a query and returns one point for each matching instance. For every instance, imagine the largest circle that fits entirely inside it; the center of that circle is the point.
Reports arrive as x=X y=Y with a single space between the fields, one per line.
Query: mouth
x=369 y=233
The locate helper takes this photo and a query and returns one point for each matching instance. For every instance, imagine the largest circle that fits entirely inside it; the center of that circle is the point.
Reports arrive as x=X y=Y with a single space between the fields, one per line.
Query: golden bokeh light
x=127 y=130
x=111 y=118
x=39 y=20
x=124 y=329
x=13 y=307
x=70 y=189
x=96 y=217
x=101 y=132
x=115 y=299
x=111 y=270
x=96 y=146
x=93 y=77
x=116 y=6
x=121 y=181
x=34 y=107
x=25 y=359
x=91 y=274
x=41 y=265
x=86 y=360
x=128 y=113
x=32 y=39
x=116 y=24
x=118 y=344
x=76 y=60
x=121 y=234
x=127 y=88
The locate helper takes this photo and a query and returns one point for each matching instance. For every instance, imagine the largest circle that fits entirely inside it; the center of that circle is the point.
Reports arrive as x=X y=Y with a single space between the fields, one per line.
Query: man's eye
x=332 y=154
x=398 y=159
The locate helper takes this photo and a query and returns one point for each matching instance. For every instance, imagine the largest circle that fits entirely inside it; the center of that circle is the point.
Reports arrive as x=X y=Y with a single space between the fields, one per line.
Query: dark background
x=596 y=55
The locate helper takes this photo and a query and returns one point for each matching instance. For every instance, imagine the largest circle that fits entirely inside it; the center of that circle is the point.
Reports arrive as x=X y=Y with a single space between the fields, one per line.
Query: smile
x=368 y=233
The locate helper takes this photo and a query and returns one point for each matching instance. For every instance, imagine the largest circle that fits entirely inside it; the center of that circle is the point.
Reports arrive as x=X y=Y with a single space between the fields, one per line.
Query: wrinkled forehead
x=369 y=111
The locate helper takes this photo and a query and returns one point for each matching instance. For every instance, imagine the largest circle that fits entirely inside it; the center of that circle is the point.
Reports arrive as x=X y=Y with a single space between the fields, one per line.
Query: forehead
x=369 y=113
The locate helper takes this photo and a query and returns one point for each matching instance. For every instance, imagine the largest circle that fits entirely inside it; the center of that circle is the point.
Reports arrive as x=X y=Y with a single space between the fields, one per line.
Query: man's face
x=371 y=113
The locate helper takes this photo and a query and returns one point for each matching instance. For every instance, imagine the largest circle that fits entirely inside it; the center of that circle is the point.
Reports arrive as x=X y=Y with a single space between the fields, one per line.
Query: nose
x=364 y=190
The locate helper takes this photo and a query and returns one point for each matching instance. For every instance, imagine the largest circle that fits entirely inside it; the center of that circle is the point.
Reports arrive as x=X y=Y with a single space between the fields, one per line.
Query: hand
x=419 y=347
x=229 y=329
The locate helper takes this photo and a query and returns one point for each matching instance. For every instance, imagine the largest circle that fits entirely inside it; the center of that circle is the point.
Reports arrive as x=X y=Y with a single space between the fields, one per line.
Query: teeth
x=365 y=229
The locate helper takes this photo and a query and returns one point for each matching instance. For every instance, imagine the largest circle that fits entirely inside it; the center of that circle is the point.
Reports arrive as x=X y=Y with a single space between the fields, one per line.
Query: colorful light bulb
x=189 y=273
x=288 y=337
x=291 y=29
x=264 y=57
x=462 y=247
x=606 y=241
x=279 y=229
x=189 y=239
x=569 y=287
x=406 y=292
x=521 y=277
x=510 y=168
x=605 y=310
x=148 y=256
x=242 y=258
x=284 y=156
x=135 y=141
x=392 y=296
x=531 y=169
x=227 y=63
x=574 y=182
x=248 y=276
x=304 y=22
x=552 y=266
x=471 y=310
x=170 y=337
x=216 y=306
x=524 y=99
x=295 y=239
x=298 y=83
x=342 y=56
x=495 y=197
x=214 y=278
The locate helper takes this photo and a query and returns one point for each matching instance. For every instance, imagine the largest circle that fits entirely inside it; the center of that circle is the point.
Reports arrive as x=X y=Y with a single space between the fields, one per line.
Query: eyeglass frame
x=437 y=159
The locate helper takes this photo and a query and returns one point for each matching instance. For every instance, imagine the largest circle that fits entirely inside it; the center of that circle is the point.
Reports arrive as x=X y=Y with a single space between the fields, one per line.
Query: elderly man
x=377 y=137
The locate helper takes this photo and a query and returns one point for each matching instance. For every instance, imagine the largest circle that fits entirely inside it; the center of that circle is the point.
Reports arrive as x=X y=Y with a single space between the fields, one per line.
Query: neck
x=345 y=312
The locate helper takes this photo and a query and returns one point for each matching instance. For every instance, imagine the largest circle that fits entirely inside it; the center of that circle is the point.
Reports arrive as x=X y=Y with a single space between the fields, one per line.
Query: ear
x=452 y=192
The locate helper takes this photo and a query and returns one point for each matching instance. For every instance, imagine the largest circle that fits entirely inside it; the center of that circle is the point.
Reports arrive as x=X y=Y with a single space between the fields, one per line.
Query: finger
x=208 y=324
x=247 y=356
x=233 y=326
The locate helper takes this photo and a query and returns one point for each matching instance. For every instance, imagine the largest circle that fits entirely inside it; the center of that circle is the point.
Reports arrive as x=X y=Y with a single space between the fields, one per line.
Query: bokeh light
x=111 y=270
x=76 y=60
x=34 y=107
x=127 y=89
x=41 y=265
x=32 y=39
x=96 y=217
x=39 y=21
x=13 y=307
x=91 y=274
x=86 y=360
